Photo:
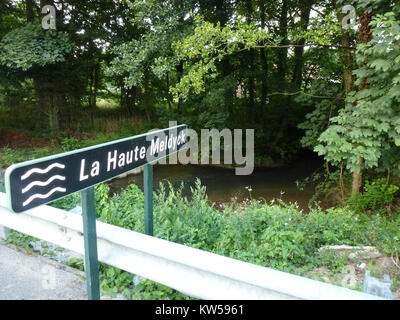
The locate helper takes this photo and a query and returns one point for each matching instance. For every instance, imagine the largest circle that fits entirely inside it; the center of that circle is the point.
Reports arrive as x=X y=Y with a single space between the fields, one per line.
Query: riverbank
x=278 y=235
x=223 y=185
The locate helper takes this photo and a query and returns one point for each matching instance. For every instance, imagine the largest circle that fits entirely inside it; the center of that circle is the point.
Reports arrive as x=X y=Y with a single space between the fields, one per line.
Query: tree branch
x=301 y=92
x=307 y=45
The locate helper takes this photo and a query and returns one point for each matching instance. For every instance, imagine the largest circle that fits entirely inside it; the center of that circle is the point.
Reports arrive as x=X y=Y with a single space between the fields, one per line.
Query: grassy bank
x=275 y=234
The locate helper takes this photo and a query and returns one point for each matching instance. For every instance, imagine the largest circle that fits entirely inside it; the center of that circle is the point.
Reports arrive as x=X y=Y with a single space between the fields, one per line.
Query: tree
x=148 y=56
x=368 y=127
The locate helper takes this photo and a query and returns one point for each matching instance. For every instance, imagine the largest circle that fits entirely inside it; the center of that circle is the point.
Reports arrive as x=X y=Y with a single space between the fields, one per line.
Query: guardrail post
x=90 y=239
x=148 y=199
x=4 y=232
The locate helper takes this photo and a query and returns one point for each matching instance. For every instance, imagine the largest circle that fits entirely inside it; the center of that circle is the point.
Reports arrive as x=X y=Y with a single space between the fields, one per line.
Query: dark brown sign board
x=37 y=182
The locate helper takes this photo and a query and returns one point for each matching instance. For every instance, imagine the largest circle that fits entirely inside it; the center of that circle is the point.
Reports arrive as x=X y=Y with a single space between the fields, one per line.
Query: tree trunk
x=222 y=16
x=264 y=68
x=348 y=84
x=297 y=77
x=348 y=80
x=146 y=99
x=131 y=100
x=168 y=93
x=364 y=36
x=121 y=96
x=91 y=82
x=251 y=79
x=30 y=15
x=53 y=114
x=95 y=90
x=283 y=52
x=357 y=179
x=179 y=69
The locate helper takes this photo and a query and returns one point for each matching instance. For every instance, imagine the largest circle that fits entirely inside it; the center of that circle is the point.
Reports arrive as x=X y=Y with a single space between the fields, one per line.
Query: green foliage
x=123 y=210
x=113 y=280
x=149 y=290
x=31 y=45
x=67 y=203
x=369 y=125
x=377 y=195
x=209 y=44
x=150 y=52
x=224 y=69
x=326 y=182
x=70 y=144
x=193 y=223
x=274 y=235
x=221 y=65
x=382 y=232
x=10 y=156
x=331 y=259
x=317 y=121
x=20 y=240
x=76 y=263
x=333 y=227
x=264 y=235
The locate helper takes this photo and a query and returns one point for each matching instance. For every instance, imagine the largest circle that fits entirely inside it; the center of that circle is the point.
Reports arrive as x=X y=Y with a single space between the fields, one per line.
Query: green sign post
x=37 y=182
x=90 y=240
x=148 y=199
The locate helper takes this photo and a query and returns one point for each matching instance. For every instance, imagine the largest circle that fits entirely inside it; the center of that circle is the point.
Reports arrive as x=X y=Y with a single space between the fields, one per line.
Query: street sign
x=37 y=182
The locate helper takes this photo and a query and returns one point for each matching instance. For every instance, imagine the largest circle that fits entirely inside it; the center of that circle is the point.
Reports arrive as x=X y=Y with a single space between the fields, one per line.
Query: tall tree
x=366 y=130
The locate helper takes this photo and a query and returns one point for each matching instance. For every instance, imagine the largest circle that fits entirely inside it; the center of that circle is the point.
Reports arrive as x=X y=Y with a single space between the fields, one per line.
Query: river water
x=222 y=184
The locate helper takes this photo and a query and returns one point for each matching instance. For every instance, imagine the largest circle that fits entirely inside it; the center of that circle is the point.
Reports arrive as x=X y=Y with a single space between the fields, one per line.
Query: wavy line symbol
x=43 y=196
x=42 y=171
x=42 y=184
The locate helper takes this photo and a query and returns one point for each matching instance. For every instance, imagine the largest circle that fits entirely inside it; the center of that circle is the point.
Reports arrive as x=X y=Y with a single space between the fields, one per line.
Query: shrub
x=69 y=144
x=377 y=194
x=10 y=156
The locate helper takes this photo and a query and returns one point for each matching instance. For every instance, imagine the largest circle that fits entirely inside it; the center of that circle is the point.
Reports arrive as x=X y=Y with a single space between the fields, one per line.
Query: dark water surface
x=222 y=184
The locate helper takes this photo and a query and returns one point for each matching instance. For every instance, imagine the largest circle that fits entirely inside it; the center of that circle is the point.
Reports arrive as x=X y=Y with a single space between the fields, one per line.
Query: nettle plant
x=369 y=125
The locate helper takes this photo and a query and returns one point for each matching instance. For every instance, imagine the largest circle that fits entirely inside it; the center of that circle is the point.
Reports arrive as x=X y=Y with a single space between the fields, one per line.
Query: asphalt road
x=26 y=276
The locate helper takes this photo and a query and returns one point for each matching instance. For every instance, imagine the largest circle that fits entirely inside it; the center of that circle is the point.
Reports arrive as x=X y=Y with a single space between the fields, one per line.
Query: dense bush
x=377 y=194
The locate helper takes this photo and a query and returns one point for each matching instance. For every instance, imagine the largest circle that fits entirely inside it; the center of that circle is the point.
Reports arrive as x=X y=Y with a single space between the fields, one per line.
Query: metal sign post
x=37 y=182
x=90 y=239
x=148 y=199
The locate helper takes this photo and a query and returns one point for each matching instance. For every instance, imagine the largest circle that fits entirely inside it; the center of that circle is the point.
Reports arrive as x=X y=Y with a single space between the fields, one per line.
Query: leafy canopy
x=31 y=45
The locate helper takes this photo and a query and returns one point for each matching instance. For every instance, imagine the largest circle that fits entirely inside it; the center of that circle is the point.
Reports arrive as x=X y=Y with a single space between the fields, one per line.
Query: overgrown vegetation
x=273 y=234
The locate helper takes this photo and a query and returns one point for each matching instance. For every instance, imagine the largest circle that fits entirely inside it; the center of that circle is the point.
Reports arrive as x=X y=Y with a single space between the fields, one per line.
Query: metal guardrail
x=191 y=271
x=4 y=232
